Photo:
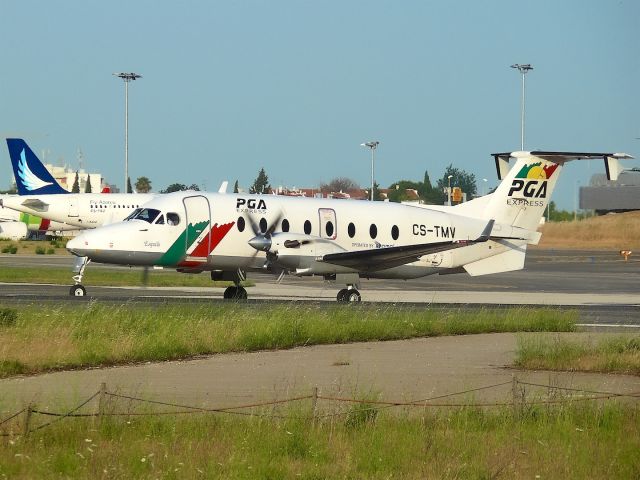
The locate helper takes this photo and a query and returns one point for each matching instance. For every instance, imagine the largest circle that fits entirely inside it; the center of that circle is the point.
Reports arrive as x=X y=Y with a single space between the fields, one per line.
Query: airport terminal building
x=604 y=196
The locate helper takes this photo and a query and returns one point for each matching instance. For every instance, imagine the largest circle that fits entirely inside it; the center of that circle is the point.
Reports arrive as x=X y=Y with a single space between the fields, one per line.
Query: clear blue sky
x=296 y=86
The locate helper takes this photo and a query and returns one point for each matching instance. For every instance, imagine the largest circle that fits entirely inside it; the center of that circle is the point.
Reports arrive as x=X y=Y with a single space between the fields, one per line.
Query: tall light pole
x=127 y=77
x=449 y=190
x=372 y=145
x=524 y=69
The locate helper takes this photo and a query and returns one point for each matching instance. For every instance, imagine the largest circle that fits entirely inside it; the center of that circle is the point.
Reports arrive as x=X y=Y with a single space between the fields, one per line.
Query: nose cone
x=78 y=245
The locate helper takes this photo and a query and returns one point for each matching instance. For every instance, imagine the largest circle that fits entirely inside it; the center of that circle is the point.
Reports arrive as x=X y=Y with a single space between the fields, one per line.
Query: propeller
x=262 y=241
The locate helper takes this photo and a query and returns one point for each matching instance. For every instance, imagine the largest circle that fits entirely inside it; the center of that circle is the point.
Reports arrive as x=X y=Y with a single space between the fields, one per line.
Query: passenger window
x=263 y=225
x=173 y=219
x=307 y=227
x=329 y=229
x=285 y=225
x=395 y=233
x=351 y=229
x=373 y=230
x=240 y=224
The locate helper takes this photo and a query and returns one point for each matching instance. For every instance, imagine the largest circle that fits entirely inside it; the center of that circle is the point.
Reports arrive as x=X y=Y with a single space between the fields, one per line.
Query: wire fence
x=518 y=401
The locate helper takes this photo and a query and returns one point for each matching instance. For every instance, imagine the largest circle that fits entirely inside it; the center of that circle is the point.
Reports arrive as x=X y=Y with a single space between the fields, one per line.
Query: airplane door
x=73 y=206
x=328 y=224
x=198 y=222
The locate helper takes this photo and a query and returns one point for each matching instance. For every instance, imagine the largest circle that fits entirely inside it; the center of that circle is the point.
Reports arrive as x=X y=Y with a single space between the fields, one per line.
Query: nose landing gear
x=77 y=290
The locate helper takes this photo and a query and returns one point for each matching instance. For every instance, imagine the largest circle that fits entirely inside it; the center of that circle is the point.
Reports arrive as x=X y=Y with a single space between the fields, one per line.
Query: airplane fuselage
x=213 y=232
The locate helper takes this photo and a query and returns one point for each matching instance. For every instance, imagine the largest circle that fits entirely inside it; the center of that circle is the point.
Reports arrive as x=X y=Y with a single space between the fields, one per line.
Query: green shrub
x=40 y=250
x=50 y=251
x=10 y=249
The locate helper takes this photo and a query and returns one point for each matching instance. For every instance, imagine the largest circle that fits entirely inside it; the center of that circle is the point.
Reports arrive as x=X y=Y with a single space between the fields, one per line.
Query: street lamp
x=127 y=77
x=484 y=186
x=523 y=70
x=372 y=145
x=449 y=190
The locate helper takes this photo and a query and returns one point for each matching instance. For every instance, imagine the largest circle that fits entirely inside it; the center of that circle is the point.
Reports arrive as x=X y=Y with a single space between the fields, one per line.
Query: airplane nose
x=78 y=245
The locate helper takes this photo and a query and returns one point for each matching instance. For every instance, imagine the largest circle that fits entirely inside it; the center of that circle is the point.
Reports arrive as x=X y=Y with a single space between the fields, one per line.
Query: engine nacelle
x=300 y=252
x=13 y=230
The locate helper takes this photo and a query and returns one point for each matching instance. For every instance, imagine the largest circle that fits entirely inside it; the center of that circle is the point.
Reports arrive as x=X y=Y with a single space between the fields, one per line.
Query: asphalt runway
x=599 y=284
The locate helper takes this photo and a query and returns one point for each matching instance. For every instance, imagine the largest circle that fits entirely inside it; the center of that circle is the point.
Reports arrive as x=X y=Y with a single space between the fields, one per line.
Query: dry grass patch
x=617 y=232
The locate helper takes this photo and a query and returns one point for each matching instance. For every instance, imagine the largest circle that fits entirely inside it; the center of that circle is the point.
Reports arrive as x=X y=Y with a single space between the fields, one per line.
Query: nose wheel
x=77 y=291
x=349 y=295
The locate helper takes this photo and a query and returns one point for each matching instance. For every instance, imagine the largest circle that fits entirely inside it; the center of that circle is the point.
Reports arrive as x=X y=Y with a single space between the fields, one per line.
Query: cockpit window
x=146 y=214
x=133 y=214
x=160 y=220
x=173 y=218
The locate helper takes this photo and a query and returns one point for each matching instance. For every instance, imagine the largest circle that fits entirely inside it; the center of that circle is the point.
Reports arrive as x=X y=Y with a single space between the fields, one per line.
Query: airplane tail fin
x=526 y=188
x=31 y=175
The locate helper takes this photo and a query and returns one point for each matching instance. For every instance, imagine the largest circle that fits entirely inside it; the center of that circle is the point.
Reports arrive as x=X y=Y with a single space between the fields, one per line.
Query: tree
x=398 y=190
x=76 y=185
x=235 y=187
x=143 y=185
x=261 y=183
x=129 y=189
x=339 y=184
x=87 y=186
x=179 y=187
x=459 y=178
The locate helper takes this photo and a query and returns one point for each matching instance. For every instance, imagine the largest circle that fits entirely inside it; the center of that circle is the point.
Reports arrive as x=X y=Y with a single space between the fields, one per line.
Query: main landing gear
x=77 y=290
x=235 y=292
x=349 y=295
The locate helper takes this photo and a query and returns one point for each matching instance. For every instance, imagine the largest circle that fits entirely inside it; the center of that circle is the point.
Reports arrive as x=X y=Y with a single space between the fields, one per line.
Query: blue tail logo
x=31 y=175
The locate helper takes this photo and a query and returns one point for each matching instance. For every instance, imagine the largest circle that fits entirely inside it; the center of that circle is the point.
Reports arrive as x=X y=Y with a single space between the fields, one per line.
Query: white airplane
x=41 y=195
x=340 y=240
x=16 y=225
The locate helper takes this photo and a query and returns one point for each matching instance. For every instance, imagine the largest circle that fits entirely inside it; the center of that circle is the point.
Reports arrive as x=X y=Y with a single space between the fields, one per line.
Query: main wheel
x=241 y=294
x=77 y=291
x=341 y=295
x=229 y=293
x=352 y=296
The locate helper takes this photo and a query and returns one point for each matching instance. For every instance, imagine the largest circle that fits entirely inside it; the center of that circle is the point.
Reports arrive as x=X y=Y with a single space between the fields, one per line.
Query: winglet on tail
x=31 y=175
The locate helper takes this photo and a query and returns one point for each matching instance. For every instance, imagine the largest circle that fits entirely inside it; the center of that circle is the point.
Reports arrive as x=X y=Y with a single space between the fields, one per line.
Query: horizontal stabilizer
x=504 y=262
x=36 y=204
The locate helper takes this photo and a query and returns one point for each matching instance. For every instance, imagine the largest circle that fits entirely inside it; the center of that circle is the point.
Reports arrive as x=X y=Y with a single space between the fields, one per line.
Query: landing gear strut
x=77 y=290
x=349 y=295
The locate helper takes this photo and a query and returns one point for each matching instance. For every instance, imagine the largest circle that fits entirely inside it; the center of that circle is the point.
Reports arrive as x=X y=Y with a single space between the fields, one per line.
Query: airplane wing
x=35 y=203
x=383 y=258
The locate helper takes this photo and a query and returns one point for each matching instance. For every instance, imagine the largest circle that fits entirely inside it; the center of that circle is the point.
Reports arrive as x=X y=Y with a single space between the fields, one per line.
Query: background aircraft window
x=173 y=219
x=285 y=225
x=329 y=229
x=395 y=233
x=263 y=225
x=307 y=227
x=373 y=230
x=351 y=229
x=240 y=224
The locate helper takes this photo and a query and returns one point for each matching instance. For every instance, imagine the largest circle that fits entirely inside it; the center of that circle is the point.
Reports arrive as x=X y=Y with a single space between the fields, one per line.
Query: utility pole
x=372 y=145
x=127 y=77
x=524 y=69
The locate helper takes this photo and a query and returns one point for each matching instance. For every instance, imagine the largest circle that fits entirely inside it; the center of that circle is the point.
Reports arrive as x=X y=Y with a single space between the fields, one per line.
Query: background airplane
x=41 y=195
x=341 y=240
x=16 y=225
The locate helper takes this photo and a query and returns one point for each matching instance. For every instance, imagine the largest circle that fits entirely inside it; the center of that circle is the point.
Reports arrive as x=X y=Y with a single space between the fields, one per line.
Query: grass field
x=615 y=232
x=609 y=355
x=571 y=441
x=111 y=277
x=36 y=339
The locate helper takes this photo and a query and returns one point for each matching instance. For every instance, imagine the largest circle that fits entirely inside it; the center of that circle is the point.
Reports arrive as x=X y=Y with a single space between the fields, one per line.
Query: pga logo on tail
x=531 y=180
